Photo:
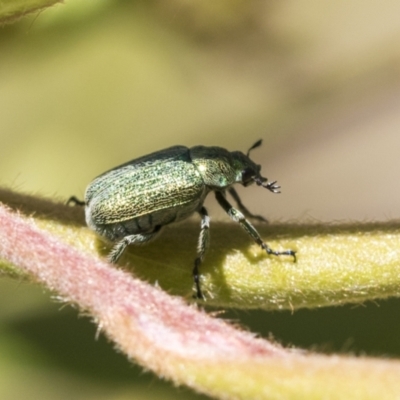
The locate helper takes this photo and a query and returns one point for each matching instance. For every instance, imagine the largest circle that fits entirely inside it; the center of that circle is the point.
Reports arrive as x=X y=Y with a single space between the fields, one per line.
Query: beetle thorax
x=215 y=166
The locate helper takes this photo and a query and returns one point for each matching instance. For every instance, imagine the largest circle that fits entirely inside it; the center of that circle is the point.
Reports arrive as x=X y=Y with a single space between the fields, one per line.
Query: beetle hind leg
x=202 y=246
x=138 y=238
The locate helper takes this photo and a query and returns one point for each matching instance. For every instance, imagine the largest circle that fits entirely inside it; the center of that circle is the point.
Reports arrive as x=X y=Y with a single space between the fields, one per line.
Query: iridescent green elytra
x=132 y=202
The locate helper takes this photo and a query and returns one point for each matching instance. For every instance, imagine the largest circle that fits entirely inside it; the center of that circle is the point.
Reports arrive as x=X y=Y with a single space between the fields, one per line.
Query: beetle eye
x=247 y=176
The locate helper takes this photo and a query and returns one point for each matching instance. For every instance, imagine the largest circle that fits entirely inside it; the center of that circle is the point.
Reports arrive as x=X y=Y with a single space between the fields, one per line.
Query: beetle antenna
x=255 y=145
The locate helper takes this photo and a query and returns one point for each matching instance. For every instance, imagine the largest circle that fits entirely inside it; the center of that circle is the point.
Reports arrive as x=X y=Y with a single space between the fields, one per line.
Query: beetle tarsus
x=291 y=253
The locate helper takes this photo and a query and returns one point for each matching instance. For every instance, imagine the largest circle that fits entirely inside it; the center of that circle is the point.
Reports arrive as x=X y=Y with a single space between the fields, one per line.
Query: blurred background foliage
x=85 y=86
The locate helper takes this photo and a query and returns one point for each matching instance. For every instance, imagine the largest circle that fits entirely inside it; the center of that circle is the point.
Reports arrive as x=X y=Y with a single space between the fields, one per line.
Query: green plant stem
x=337 y=263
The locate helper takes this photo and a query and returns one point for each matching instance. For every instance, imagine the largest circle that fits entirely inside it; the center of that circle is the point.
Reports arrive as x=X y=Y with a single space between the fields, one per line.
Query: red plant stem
x=146 y=323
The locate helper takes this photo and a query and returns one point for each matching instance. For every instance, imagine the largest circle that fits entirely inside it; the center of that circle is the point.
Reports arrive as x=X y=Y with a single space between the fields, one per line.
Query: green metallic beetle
x=131 y=203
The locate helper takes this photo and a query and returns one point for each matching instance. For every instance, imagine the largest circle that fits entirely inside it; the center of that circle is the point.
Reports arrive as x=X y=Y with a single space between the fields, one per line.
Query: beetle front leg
x=237 y=216
x=243 y=208
x=138 y=238
x=202 y=246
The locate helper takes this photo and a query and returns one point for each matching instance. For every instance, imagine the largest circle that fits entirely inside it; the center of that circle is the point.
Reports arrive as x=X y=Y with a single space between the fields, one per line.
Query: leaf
x=11 y=10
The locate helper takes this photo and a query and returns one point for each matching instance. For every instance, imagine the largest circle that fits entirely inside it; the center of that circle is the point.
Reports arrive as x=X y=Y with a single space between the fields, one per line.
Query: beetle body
x=130 y=204
x=144 y=194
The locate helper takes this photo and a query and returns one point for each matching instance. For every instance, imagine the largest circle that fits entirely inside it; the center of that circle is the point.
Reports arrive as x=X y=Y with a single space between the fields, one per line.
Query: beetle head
x=248 y=172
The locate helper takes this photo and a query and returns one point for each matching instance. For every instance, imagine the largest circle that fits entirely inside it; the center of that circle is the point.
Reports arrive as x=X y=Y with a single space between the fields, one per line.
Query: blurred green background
x=85 y=86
